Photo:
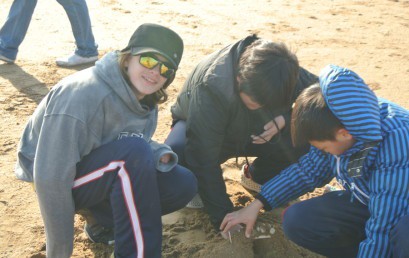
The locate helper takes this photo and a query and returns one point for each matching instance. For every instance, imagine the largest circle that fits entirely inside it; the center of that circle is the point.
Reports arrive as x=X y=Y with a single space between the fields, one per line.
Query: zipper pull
x=352 y=188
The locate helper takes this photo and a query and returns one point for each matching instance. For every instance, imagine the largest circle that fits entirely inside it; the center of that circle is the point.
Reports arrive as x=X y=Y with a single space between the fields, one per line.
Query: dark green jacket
x=218 y=123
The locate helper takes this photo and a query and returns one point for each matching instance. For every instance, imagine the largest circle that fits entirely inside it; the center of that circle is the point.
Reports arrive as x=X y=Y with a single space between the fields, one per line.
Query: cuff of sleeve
x=166 y=167
x=261 y=198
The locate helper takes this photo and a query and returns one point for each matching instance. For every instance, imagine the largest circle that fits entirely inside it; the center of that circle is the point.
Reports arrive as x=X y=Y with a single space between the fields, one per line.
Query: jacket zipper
x=352 y=187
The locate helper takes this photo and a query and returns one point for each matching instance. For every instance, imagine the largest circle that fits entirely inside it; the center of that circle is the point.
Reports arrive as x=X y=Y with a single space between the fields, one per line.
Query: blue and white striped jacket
x=375 y=169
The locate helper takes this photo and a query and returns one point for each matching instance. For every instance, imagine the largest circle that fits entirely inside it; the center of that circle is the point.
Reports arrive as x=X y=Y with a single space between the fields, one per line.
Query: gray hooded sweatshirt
x=84 y=111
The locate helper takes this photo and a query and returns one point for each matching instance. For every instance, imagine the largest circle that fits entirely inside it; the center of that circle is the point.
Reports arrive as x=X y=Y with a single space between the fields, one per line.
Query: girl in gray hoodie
x=88 y=145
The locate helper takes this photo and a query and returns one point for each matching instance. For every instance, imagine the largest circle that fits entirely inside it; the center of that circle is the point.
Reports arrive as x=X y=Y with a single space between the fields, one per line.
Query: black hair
x=268 y=73
x=311 y=119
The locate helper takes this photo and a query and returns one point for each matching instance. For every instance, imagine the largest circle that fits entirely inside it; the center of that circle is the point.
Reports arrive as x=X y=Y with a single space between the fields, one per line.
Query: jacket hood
x=225 y=63
x=352 y=102
x=108 y=70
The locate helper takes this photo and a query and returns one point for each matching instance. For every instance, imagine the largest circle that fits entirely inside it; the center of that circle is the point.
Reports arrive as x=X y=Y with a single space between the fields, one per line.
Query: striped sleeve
x=311 y=171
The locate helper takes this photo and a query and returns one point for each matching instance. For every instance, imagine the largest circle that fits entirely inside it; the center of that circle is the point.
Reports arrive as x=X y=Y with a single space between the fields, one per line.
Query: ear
x=343 y=134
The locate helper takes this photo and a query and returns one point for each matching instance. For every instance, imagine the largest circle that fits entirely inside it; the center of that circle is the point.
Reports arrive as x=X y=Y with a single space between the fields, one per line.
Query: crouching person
x=362 y=141
x=88 y=146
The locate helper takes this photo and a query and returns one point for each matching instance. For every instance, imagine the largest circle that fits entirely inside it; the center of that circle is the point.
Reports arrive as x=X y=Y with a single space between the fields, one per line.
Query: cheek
x=133 y=72
x=162 y=81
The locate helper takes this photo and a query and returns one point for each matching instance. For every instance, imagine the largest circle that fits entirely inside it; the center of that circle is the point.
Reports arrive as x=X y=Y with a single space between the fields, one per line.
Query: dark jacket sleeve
x=311 y=171
x=206 y=129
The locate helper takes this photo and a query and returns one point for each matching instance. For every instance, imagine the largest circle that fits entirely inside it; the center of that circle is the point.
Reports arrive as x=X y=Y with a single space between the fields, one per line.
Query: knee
x=176 y=188
x=192 y=182
x=136 y=152
x=290 y=220
x=398 y=237
x=178 y=148
x=188 y=184
x=300 y=226
x=185 y=182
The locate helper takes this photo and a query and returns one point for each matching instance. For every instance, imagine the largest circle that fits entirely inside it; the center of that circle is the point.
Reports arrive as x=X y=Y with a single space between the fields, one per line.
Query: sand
x=370 y=37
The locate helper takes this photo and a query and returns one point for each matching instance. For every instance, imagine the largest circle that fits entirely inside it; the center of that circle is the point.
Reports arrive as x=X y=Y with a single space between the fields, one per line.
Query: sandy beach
x=369 y=37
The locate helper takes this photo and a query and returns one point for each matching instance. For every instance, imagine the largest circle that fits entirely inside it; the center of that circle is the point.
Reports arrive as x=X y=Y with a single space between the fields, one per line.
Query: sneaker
x=195 y=203
x=262 y=230
x=74 y=60
x=6 y=59
x=246 y=180
x=98 y=234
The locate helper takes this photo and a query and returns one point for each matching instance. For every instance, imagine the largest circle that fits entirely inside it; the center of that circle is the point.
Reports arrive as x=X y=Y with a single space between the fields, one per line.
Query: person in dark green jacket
x=237 y=103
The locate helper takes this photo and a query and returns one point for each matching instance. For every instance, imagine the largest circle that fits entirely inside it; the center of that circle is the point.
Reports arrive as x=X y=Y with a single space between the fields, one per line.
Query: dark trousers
x=272 y=157
x=334 y=227
x=119 y=184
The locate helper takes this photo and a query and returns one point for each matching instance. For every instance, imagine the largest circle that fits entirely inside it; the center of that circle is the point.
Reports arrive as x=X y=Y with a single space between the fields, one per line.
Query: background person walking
x=15 y=29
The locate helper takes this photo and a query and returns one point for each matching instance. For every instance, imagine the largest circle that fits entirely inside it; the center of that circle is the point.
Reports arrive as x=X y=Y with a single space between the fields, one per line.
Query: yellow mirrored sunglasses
x=150 y=61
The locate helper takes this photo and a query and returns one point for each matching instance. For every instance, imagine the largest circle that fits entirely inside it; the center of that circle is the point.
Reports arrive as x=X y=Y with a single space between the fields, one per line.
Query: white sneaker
x=195 y=203
x=74 y=60
x=247 y=182
x=7 y=60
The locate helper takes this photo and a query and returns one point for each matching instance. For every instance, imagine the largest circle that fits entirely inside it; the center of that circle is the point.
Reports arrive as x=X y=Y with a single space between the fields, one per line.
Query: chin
x=149 y=90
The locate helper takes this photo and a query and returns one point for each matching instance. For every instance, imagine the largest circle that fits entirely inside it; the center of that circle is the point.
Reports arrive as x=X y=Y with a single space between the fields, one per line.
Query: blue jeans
x=15 y=28
x=334 y=227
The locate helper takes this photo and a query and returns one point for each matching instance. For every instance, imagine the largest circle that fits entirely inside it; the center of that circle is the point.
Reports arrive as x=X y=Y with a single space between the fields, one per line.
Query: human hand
x=270 y=130
x=247 y=216
x=233 y=230
x=165 y=158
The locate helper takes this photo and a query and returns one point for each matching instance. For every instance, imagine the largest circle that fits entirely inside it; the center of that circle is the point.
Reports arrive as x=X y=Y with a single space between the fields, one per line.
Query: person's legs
x=176 y=188
x=15 y=28
x=77 y=12
x=329 y=225
x=123 y=172
x=177 y=140
x=273 y=157
x=399 y=238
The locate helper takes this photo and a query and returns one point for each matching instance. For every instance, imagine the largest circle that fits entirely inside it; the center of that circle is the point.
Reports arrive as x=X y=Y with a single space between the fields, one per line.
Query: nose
x=156 y=70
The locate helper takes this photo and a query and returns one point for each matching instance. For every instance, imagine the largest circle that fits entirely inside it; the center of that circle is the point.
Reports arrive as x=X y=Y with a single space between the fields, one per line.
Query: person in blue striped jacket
x=362 y=141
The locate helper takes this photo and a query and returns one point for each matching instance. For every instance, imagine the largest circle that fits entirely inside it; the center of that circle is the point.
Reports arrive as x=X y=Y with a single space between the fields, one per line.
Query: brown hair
x=311 y=119
x=268 y=73
x=157 y=97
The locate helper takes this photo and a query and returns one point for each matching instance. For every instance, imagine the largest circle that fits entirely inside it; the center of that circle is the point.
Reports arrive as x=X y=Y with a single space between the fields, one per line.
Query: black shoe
x=98 y=234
